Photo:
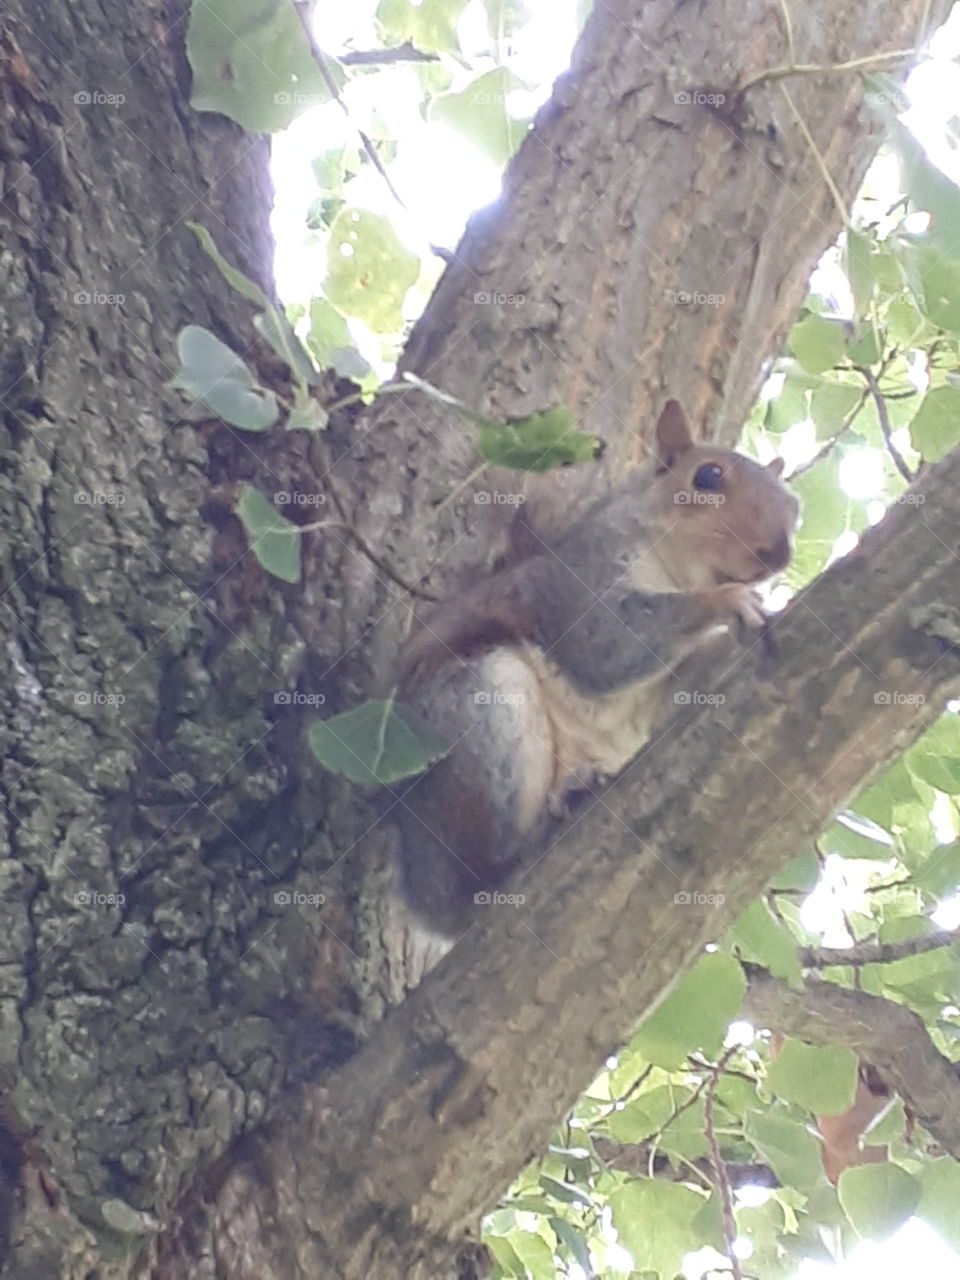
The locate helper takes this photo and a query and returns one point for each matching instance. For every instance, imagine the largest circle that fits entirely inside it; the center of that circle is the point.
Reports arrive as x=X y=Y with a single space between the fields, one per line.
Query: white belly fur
x=595 y=735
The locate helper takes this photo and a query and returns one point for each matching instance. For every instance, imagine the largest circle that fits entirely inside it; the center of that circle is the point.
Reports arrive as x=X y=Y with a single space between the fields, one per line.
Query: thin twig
x=333 y=88
x=720 y=1169
x=877 y=952
x=821 y=163
x=830 y=68
x=873 y=386
x=831 y=442
x=788 y=26
x=407 y=52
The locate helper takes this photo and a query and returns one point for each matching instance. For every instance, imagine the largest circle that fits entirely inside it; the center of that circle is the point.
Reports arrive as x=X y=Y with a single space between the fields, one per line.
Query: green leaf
x=858 y=264
x=369 y=270
x=832 y=405
x=800 y=874
x=307 y=414
x=821 y=1079
x=505 y=17
x=939 y=1198
x=646 y=1114
x=534 y=1252
x=503 y=1251
x=644 y=1202
x=854 y=836
x=935 y=280
x=565 y=1192
x=234 y=278
x=273 y=540
x=377 y=743
x=935 y=428
x=787 y=1146
x=331 y=343
x=251 y=61
x=274 y=327
x=905 y=325
x=431 y=25
x=537 y=443
x=936 y=757
x=792 y=404
x=216 y=376
x=696 y=1014
x=925 y=183
x=824 y=514
x=895 y=787
x=863 y=347
x=818 y=343
x=575 y=1241
x=939 y=874
x=479 y=115
x=762 y=938
x=878 y=1198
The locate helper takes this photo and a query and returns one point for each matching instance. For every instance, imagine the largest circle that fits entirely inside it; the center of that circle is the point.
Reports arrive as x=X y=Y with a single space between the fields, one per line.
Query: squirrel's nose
x=776 y=556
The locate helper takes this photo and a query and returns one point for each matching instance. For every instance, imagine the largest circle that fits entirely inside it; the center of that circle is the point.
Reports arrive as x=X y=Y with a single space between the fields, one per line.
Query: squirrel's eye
x=709 y=477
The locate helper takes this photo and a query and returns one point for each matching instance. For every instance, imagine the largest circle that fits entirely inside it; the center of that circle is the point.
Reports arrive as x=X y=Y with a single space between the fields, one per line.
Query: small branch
x=407 y=52
x=815 y=69
x=821 y=163
x=877 y=952
x=873 y=386
x=320 y=59
x=889 y=1036
x=788 y=27
x=831 y=442
x=720 y=1169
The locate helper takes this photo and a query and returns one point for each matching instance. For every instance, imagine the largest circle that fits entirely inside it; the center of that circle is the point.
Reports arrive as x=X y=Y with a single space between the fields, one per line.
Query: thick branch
x=893 y=1039
x=436 y=1114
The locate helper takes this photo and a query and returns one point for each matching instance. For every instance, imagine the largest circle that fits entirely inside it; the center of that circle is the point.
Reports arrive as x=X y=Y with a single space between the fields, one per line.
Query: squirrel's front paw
x=741 y=601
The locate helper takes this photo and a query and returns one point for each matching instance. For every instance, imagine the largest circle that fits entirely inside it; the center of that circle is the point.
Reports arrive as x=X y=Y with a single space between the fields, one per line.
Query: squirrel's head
x=725 y=517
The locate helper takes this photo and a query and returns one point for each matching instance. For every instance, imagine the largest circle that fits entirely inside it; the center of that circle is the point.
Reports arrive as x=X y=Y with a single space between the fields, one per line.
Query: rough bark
x=145 y=1036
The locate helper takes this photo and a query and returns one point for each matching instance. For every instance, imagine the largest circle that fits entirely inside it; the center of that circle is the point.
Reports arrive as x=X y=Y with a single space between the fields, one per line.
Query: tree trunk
x=159 y=1002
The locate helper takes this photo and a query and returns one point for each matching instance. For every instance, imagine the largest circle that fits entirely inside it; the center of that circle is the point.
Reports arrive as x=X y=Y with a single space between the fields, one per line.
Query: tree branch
x=877 y=952
x=892 y=1038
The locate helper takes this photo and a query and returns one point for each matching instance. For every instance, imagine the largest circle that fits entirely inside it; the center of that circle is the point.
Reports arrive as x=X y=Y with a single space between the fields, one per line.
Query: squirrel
x=550 y=675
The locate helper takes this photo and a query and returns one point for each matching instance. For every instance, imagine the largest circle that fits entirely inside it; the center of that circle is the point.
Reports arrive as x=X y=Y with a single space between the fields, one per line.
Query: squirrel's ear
x=776 y=467
x=673 y=435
